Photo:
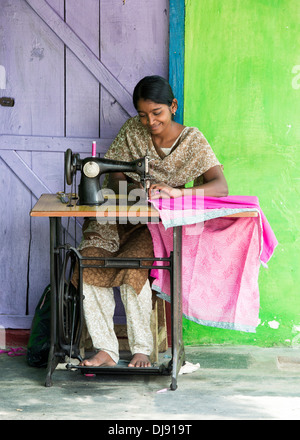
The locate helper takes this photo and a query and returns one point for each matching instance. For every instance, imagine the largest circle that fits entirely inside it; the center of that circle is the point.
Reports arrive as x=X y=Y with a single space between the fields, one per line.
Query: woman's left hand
x=163 y=191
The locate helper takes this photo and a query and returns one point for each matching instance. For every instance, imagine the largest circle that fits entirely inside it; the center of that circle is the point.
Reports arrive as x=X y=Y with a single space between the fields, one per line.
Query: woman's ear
x=174 y=106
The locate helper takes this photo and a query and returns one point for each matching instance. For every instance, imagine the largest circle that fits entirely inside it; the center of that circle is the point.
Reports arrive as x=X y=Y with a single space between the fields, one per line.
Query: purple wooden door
x=71 y=68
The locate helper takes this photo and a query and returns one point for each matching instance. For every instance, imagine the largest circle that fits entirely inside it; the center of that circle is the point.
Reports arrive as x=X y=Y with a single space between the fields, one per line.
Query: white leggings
x=99 y=306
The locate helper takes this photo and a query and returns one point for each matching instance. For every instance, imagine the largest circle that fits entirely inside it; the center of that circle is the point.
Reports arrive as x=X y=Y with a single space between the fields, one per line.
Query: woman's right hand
x=163 y=191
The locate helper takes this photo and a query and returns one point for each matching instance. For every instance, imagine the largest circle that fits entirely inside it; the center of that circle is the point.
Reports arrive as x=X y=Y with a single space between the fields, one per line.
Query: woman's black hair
x=155 y=88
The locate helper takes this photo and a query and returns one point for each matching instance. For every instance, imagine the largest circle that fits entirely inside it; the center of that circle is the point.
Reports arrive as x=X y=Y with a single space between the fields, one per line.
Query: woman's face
x=156 y=117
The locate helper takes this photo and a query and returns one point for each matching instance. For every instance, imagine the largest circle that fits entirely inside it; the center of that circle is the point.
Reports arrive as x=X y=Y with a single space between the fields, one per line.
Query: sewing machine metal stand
x=65 y=332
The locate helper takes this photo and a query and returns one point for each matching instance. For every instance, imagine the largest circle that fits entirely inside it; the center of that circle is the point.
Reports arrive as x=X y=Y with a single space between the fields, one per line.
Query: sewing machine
x=91 y=168
x=67 y=303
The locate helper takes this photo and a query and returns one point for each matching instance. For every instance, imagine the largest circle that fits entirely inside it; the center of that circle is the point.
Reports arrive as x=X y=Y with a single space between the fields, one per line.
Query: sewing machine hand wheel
x=70 y=166
x=70 y=312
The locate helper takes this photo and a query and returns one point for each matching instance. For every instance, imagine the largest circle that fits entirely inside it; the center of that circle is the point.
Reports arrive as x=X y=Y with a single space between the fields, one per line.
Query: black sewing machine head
x=91 y=168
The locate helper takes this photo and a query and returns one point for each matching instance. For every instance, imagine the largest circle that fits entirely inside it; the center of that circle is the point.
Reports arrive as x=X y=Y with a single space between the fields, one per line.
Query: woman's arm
x=115 y=178
x=214 y=185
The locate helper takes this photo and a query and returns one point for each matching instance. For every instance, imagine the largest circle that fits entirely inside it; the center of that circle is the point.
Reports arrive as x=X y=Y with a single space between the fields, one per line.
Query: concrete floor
x=233 y=383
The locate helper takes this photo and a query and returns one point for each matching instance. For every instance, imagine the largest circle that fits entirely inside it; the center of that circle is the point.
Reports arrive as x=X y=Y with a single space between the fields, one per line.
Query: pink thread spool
x=94 y=149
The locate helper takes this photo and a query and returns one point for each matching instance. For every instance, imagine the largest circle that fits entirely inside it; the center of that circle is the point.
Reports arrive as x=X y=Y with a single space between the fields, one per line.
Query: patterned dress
x=190 y=157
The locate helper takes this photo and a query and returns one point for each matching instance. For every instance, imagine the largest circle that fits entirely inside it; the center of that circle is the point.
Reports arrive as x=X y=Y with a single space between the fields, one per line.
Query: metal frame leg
x=53 y=360
x=176 y=307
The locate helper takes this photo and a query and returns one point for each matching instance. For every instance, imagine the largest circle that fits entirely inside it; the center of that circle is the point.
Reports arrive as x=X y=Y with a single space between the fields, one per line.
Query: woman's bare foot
x=100 y=359
x=140 y=360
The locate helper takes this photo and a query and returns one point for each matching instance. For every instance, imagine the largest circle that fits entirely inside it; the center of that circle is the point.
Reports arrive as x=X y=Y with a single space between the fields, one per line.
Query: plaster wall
x=242 y=90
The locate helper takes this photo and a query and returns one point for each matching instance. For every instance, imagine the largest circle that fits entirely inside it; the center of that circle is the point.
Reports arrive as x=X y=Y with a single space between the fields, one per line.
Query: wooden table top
x=50 y=205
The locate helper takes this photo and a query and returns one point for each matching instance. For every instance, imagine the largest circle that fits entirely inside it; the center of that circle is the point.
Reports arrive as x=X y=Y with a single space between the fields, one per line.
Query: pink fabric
x=20 y=351
x=220 y=263
x=230 y=202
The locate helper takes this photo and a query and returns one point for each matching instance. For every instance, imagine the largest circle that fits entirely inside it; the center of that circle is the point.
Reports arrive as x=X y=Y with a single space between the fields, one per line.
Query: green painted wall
x=242 y=90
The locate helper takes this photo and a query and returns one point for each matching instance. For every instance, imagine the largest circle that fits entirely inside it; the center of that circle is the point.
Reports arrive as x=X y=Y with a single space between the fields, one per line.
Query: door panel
x=71 y=68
